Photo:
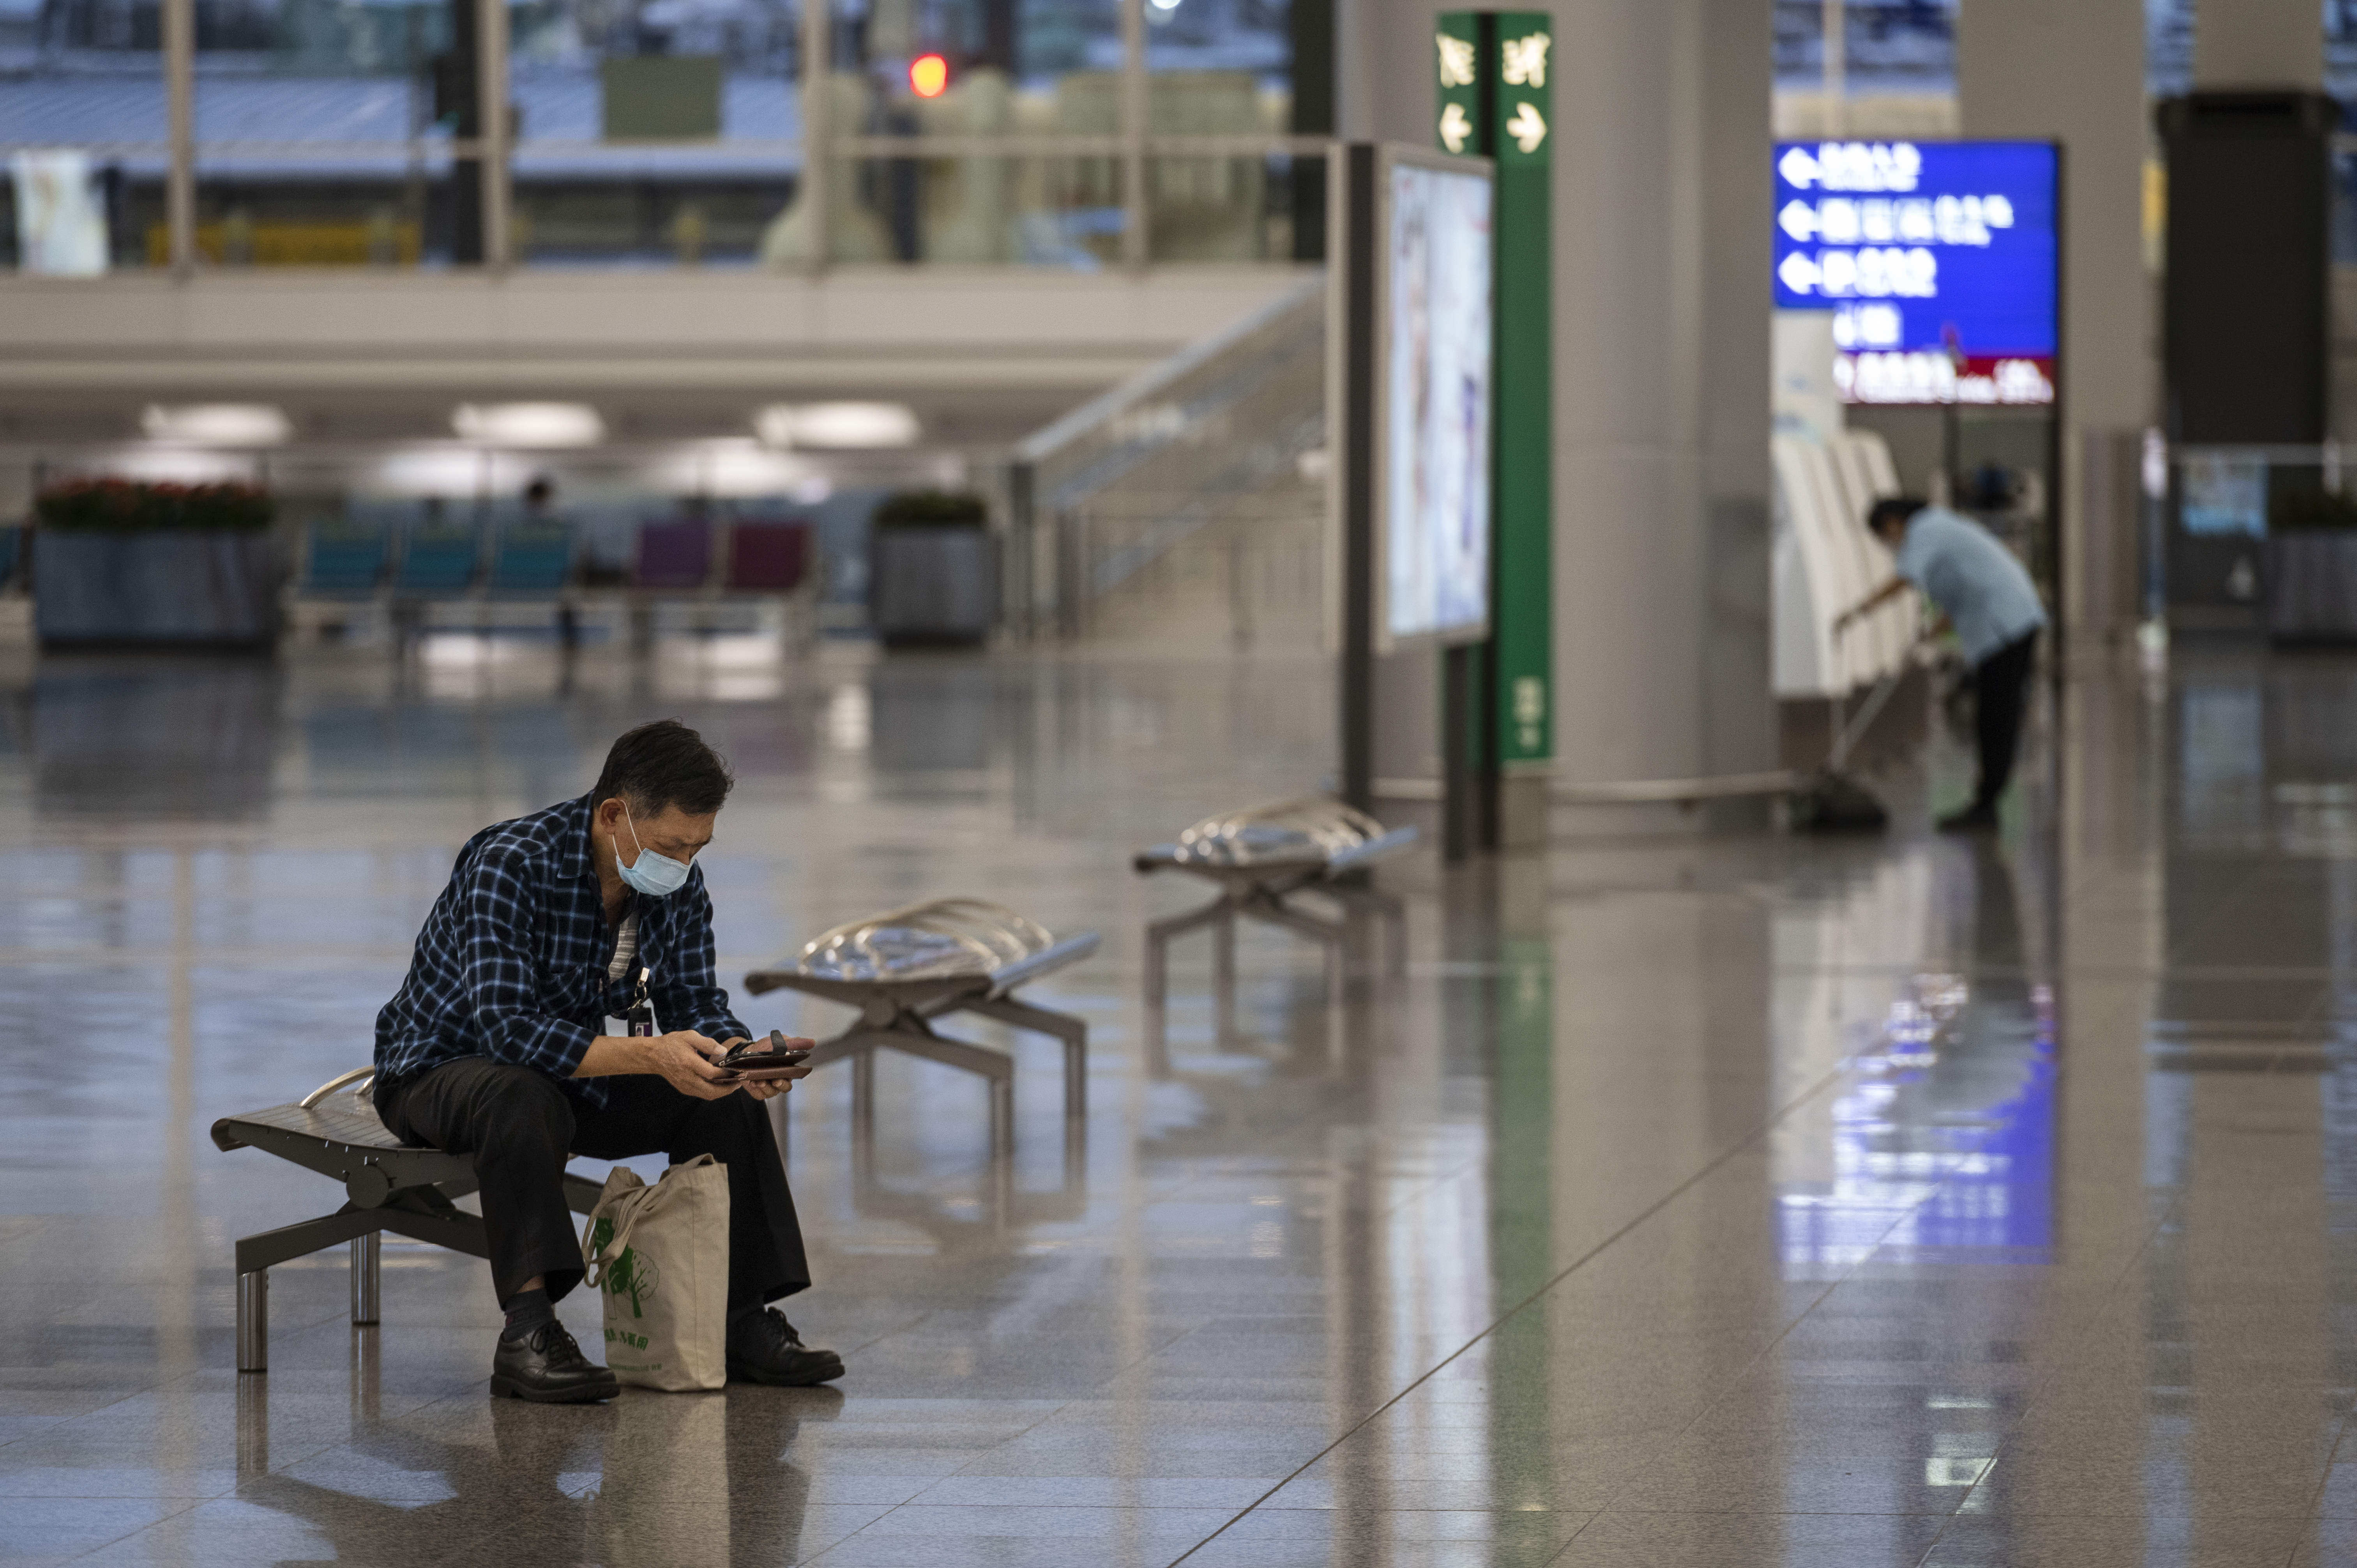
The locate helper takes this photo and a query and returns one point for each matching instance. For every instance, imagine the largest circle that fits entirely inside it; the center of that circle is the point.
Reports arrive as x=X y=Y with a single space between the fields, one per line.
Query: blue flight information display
x=1937 y=259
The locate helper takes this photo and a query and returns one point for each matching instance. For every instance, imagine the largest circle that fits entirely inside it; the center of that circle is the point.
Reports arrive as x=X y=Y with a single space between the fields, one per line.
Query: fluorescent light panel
x=841 y=425
x=529 y=425
x=217 y=424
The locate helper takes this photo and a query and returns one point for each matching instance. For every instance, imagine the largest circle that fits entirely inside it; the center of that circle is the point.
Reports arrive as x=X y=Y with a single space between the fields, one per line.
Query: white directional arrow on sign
x=1799 y=273
x=1527 y=129
x=1454 y=128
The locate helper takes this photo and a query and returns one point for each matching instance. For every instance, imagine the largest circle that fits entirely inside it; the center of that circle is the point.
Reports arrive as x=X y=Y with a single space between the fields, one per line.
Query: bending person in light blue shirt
x=1985 y=594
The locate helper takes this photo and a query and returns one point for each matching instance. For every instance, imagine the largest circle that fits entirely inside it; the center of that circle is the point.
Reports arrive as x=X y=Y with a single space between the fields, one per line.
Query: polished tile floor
x=1729 y=1200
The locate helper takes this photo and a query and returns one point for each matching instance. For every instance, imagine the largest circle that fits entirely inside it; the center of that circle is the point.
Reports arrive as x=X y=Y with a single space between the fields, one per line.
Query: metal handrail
x=332 y=1085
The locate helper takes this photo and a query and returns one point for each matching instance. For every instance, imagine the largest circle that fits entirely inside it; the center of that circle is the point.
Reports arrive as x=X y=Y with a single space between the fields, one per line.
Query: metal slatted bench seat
x=388 y=1186
x=907 y=967
x=1260 y=858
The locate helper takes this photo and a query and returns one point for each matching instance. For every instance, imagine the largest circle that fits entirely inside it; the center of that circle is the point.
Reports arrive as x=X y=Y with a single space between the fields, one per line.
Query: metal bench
x=905 y=968
x=1260 y=858
x=388 y=1186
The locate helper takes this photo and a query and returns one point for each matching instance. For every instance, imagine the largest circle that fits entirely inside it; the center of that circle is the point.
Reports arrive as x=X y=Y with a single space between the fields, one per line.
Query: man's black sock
x=527 y=1311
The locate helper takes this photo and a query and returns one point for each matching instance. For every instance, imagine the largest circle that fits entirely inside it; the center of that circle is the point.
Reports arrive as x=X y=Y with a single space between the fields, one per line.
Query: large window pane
x=318 y=141
x=1004 y=68
x=1221 y=67
x=1227 y=206
x=654 y=130
x=83 y=128
x=1226 y=69
x=1043 y=212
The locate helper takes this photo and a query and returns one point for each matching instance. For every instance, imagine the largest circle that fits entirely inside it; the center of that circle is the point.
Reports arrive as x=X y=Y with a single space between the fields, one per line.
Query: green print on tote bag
x=659 y=1257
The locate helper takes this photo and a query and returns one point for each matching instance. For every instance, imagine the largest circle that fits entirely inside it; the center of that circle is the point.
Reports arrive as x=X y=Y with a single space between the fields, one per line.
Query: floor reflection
x=1688 y=1200
x=669 y=1481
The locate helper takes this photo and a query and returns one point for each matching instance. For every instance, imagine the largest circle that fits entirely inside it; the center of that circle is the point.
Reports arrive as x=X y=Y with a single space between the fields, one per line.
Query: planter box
x=2312 y=587
x=213 y=589
x=932 y=586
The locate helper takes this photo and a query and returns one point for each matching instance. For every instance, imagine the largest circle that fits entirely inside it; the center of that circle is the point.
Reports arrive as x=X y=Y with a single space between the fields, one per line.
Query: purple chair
x=768 y=557
x=674 y=556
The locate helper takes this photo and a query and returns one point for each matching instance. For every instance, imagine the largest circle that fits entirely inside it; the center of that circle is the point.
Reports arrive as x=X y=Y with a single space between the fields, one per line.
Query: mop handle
x=1846 y=732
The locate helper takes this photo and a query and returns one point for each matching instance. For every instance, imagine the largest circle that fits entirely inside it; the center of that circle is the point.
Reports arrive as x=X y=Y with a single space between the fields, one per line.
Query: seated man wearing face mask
x=496 y=1046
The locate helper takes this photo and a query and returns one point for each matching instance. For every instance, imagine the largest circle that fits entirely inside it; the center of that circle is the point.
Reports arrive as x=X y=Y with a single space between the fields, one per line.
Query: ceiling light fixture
x=529 y=424
x=732 y=467
x=838 y=424
x=217 y=424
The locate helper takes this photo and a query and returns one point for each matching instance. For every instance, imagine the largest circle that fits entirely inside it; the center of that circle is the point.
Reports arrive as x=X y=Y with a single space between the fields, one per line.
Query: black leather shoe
x=547 y=1366
x=764 y=1349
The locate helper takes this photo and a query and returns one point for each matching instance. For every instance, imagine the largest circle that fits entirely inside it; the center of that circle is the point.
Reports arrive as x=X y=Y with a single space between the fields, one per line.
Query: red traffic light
x=928 y=76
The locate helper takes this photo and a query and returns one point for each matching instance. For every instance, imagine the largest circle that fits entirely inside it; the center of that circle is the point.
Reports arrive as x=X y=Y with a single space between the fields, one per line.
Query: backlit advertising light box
x=1939 y=262
x=1437 y=287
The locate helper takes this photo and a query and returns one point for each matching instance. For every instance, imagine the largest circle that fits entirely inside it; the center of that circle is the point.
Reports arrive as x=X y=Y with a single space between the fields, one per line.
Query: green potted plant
x=932 y=575
x=128 y=562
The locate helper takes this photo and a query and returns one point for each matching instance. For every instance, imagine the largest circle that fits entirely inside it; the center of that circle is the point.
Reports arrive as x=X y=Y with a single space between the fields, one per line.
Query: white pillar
x=180 y=18
x=2074 y=70
x=1661 y=389
x=493 y=98
x=1661 y=365
x=2258 y=43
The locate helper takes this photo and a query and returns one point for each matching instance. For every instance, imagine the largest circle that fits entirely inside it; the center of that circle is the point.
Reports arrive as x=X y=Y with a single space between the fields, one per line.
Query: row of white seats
x=1825 y=561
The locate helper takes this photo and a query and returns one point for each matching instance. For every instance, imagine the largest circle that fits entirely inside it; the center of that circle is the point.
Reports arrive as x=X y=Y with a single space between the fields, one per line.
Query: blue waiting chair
x=438 y=563
x=531 y=562
x=12 y=552
x=343 y=564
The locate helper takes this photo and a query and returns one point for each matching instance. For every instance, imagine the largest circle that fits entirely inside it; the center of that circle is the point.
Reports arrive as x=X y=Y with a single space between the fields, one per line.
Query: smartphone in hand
x=760 y=1061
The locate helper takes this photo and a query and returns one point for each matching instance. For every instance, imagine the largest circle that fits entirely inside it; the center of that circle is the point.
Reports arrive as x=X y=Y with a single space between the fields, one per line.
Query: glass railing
x=1187 y=504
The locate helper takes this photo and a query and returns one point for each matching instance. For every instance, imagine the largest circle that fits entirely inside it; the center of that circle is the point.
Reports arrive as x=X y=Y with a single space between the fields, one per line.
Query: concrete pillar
x=2074 y=70
x=1660 y=369
x=2258 y=43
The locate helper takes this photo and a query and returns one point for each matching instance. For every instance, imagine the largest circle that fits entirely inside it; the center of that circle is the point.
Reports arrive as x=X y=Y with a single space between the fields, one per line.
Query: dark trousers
x=520 y=1126
x=2000 y=696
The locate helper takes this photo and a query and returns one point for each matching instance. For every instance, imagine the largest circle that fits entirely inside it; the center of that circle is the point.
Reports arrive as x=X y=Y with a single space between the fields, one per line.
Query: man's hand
x=772 y=1088
x=767 y=1089
x=684 y=1058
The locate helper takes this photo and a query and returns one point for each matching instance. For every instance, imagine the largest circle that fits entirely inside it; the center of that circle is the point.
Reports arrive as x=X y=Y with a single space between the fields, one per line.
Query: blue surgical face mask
x=656 y=875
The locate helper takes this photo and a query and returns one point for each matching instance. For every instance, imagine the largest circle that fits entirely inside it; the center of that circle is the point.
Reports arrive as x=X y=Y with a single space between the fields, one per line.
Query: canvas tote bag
x=659 y=1254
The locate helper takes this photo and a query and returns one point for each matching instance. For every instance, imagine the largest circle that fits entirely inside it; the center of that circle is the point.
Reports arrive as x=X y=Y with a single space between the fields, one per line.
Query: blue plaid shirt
x=511 y=963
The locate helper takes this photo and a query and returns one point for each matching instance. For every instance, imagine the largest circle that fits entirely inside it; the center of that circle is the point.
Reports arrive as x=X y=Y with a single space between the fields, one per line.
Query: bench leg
x=1076 y=1080
x=1157 y=964
x=252 y=1428
x=1002 y=1149
x=366 y=1276
x=1076 y=1111
x=1157 y=942
x=1223 y=977
x=863 y=1113
x=1001 y=1117
x=1327 y=934
x=254 y=1321
x=1395 y=915
x=1073 y=1032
